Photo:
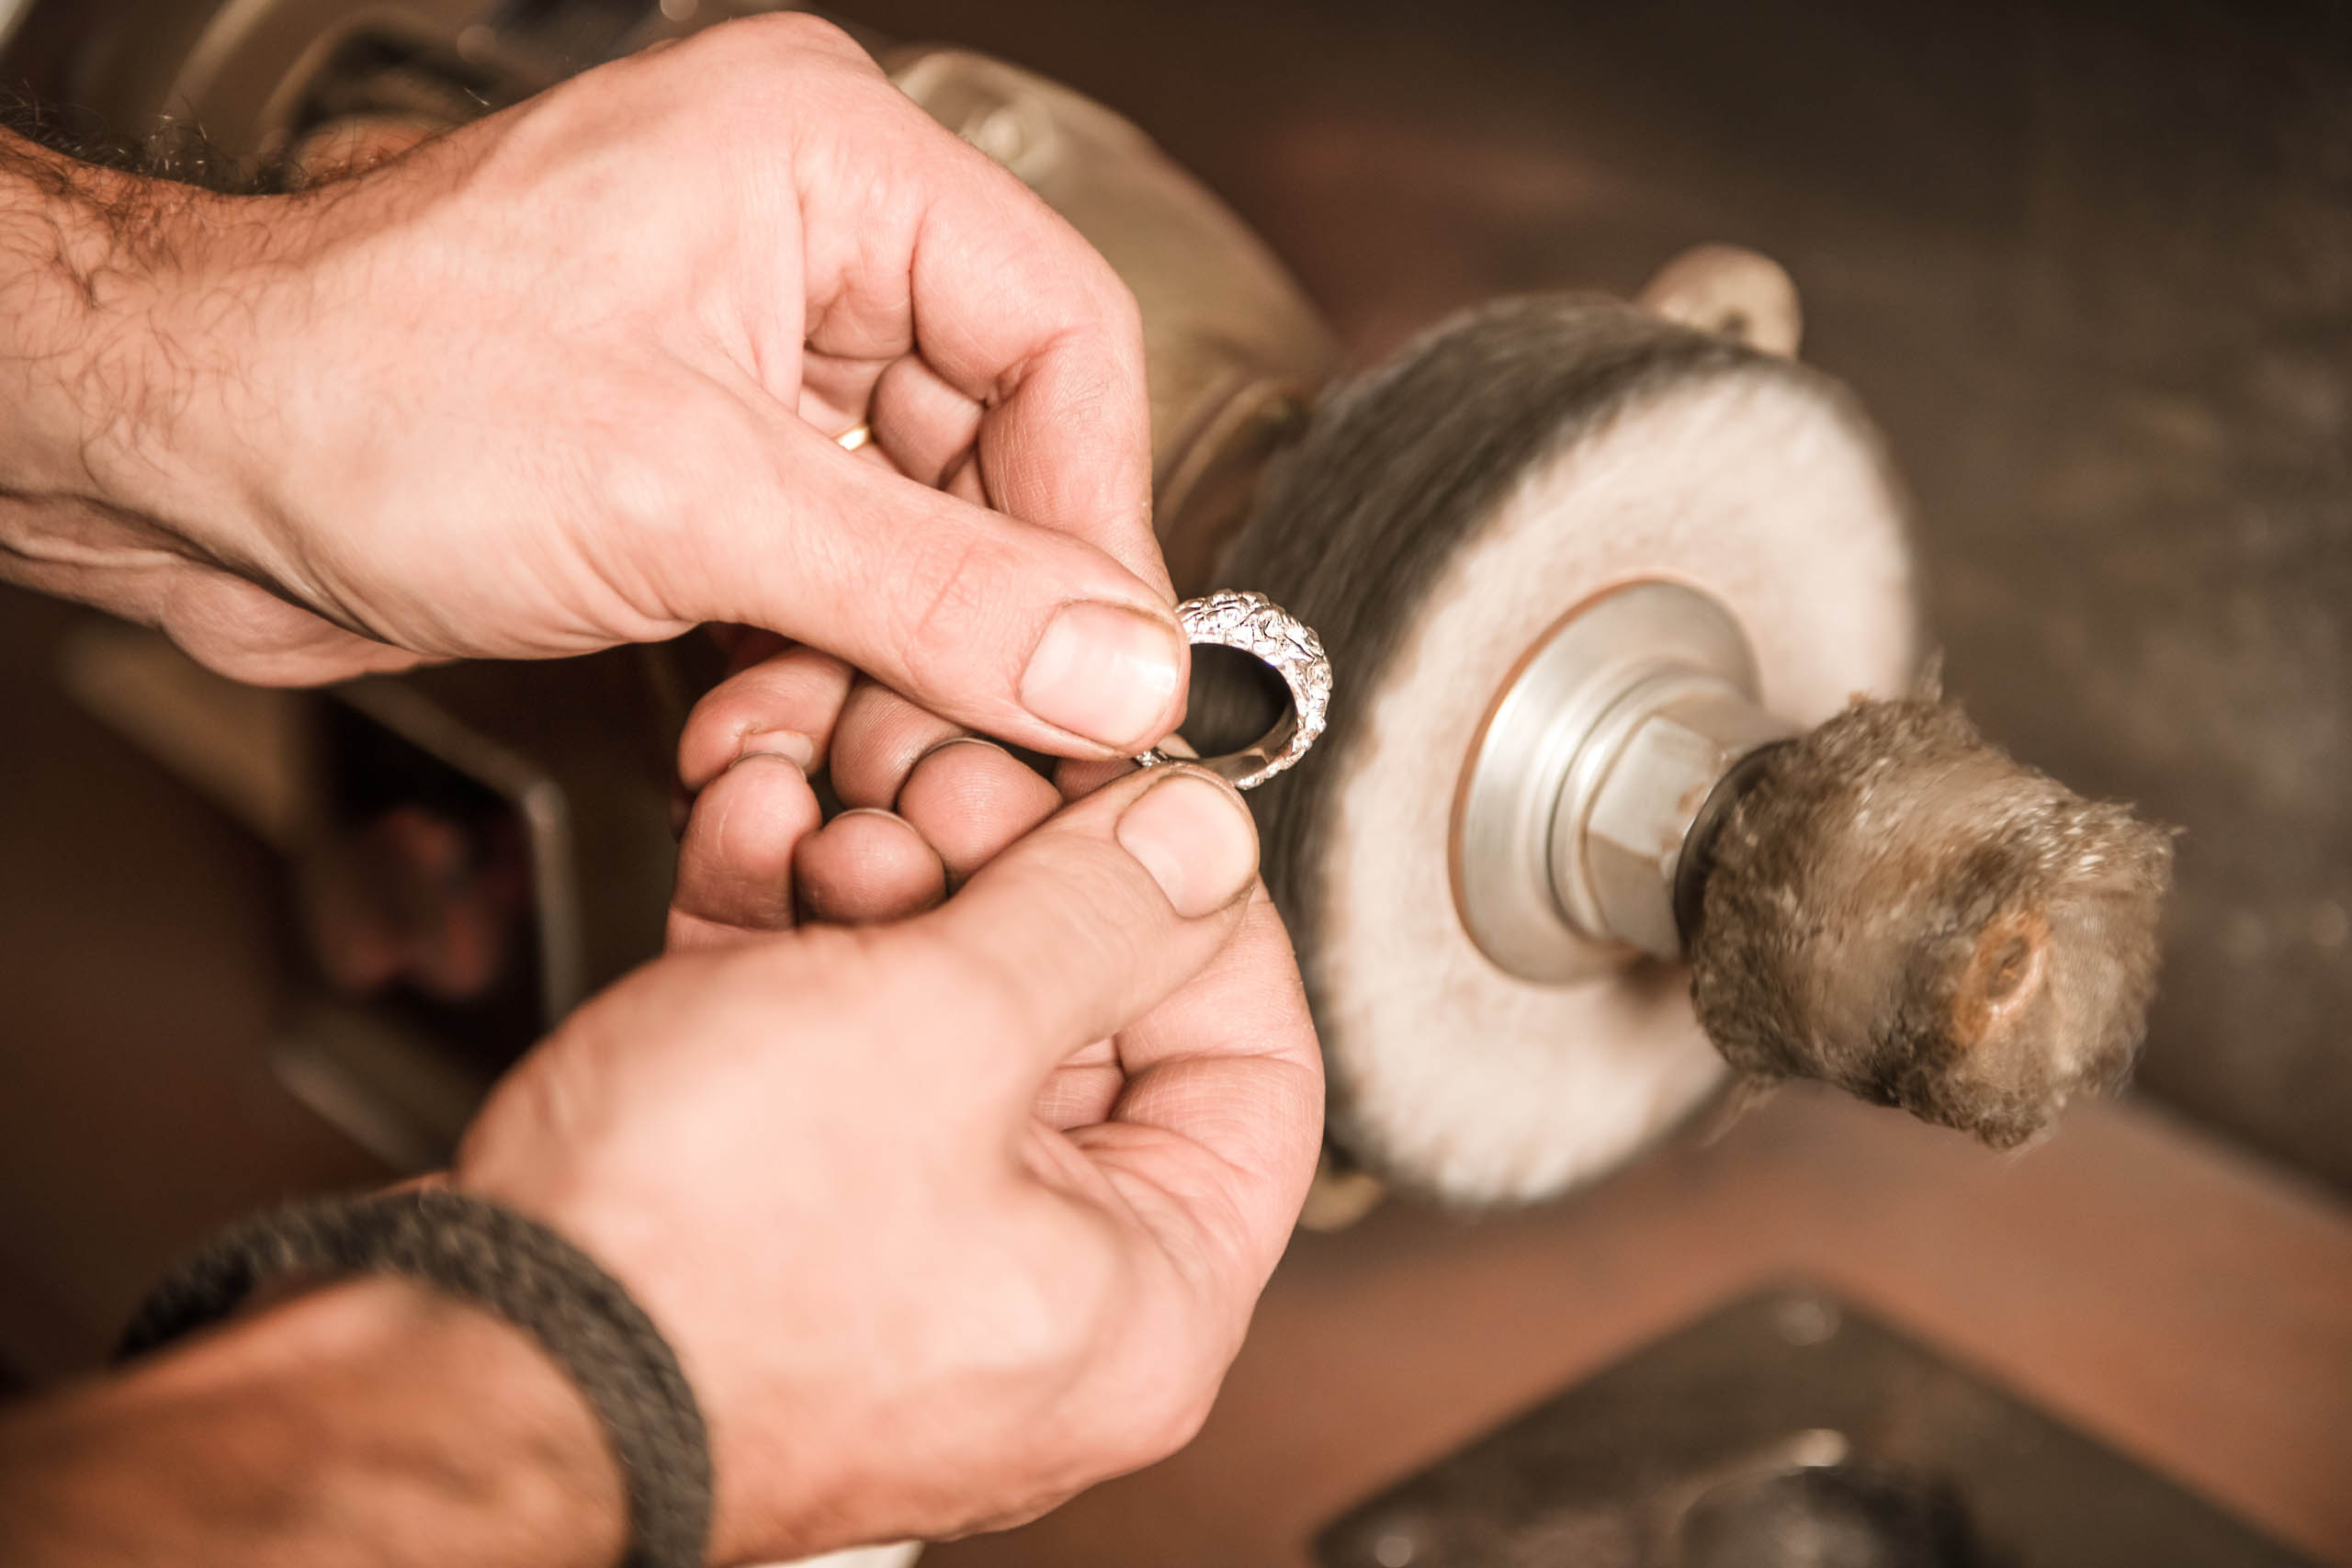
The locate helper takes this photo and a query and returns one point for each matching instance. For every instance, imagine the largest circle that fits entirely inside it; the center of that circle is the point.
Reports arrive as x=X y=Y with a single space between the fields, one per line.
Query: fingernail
x=1105 y=672
x=1196 y=840
x=790 y=744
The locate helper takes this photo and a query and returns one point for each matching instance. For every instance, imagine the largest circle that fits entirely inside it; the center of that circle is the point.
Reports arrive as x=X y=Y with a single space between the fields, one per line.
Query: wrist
x=366 y=1422
x=96 y=396
x=127 y=309
x=507 y=1266
x=78 y=366
x=409 y=1392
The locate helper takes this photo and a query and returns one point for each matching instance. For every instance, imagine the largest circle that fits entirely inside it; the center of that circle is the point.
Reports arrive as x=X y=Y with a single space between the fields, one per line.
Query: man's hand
x=936 y=809
x=949 y=1217
x=946 y=1217
x=571 y=376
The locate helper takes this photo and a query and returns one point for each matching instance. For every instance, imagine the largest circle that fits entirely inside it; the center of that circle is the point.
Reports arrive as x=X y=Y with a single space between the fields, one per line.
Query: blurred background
x=2089 y=267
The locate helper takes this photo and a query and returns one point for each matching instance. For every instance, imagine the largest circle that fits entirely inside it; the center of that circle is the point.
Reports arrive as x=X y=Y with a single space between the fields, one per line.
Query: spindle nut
x=1638 y=823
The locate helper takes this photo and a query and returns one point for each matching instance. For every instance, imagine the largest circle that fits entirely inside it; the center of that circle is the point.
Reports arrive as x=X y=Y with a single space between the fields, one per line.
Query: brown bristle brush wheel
x=1449 y=523
x=1897 y=907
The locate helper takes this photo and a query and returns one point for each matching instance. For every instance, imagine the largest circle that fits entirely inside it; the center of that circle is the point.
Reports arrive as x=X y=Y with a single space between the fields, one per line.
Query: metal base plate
x=1785 y=1428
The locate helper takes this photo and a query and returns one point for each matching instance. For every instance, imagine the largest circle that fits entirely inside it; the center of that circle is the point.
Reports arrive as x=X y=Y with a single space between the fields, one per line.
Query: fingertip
x=754 y=812
x=1110 y=674
x=866 y=867
x=735 y=858
x=970 y=799
x=788 y=703
x=1190 y=832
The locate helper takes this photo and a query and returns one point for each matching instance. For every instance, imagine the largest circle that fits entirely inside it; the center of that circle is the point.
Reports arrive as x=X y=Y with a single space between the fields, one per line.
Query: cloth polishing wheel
x=1444 y=524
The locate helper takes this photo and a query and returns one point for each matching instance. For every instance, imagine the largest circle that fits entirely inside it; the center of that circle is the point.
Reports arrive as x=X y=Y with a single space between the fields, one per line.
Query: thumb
x=1095 y=918
x=1019 y=631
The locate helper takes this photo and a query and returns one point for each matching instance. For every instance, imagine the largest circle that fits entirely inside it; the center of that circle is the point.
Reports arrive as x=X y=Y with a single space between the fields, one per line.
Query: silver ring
x=1264 y=630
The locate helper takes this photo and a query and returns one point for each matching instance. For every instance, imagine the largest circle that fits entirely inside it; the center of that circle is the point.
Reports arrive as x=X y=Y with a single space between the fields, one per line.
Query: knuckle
x=1051 y=1292
x=1101 y=300
x=1177 y=1421
x=648 y=480
x=798 y=34
x=1113 y=918
x=1098 y=924
x=635 y=476
x=1146 y=1417
x=1116 y=304
x=641 y=502
x=783 y=68
x=1078 y=1269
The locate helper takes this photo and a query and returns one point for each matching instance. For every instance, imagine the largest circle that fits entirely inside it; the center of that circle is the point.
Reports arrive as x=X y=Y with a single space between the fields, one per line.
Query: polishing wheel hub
x=1593 y=773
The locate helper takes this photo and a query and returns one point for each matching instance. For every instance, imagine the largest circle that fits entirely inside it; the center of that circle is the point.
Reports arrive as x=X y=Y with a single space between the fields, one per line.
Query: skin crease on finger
x=879 y=739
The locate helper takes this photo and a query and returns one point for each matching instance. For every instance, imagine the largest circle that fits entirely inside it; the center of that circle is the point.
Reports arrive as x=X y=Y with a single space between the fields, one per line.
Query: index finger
x=1013 y=307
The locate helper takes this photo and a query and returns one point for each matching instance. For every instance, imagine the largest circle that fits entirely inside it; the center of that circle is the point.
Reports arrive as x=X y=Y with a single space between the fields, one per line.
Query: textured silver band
x=1258 y=626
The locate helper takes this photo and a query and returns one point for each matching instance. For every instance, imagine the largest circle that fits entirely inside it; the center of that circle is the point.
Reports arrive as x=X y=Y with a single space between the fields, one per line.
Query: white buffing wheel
x=1748 y=478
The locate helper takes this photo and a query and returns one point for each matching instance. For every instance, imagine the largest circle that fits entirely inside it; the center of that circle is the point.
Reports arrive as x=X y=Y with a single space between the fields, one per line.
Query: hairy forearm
x=366 y=1424
x=76 y=243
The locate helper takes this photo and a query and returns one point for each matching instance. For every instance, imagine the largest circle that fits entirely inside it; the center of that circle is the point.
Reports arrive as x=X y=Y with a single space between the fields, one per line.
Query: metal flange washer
x=1593 y=769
